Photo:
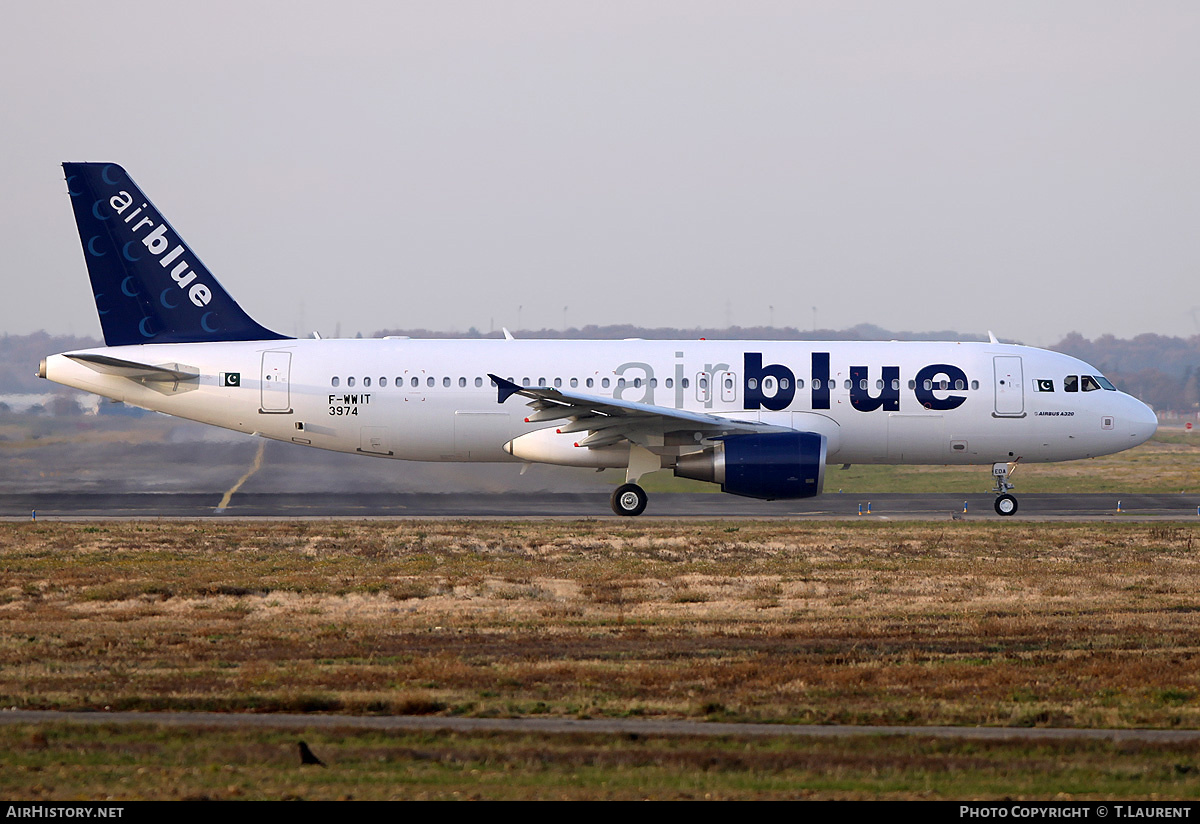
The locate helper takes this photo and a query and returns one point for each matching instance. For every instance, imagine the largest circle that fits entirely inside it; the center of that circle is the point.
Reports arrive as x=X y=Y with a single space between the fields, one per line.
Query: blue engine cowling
x=777 y=465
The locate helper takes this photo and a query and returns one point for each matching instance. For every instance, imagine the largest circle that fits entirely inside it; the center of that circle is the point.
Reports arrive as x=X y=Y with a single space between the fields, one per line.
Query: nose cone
x=1142 y=422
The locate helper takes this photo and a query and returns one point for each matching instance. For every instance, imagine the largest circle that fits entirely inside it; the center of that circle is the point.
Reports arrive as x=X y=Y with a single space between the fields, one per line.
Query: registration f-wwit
x=762 y=419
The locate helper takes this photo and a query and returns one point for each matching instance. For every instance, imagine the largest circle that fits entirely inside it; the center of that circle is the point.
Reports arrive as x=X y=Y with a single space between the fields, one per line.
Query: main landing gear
x=1005 y=504
x=629 y=499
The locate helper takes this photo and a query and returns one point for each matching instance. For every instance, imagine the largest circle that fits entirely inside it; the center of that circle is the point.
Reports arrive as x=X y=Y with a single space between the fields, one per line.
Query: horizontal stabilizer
x=169 y=372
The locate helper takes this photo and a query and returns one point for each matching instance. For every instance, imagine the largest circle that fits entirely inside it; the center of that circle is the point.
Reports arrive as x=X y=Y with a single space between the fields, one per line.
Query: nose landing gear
x=1005 y=504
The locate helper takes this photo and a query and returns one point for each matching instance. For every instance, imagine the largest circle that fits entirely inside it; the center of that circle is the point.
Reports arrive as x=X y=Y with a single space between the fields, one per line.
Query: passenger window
x=590 y=382
x=799 y=383
x=349 y=381
x=366 y=381
x=670 y=382
x=896 y=384
x=574 y=382
x=383 y=381
x=1071 y=383
x=429 y=382
x=604 y=383
x=913 y=384
x=816 y=383
x=620 y=383
x=558 y=381
x=478 y=382
x=862 y=383
x=846 y=384
x=974 y=384
x=959 y=385
x=416 y=382
x=685 y=382
x=752 y=383
x=334 y=382
x=462 y=382
x=524 y=381
x=637 y=383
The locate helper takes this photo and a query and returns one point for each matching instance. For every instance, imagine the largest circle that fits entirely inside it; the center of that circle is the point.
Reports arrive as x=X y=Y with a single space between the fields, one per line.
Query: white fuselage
x=431 y=400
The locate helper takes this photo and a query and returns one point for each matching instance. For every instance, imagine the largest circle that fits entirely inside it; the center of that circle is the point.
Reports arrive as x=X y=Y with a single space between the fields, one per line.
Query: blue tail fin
x=148 y=284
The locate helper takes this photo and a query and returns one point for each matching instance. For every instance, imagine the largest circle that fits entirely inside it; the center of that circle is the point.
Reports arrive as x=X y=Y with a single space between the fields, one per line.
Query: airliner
x=761 y=419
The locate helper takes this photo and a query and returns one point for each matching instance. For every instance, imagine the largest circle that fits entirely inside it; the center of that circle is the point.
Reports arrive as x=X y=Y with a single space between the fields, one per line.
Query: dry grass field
x=999 y=624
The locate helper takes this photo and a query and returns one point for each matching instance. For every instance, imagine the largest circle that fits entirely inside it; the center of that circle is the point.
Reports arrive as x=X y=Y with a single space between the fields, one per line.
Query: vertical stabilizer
x=148 y=284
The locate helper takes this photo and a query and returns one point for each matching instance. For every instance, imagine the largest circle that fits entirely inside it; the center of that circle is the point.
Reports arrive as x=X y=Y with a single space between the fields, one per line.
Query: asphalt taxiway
x=72 y=505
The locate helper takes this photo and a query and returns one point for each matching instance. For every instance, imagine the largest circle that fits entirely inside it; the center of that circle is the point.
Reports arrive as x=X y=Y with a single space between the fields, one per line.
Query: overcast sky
x=1030 y=168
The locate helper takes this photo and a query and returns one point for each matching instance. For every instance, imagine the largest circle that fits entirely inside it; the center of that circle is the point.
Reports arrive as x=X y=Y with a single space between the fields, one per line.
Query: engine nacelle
x=778 y=465
x=552 y=447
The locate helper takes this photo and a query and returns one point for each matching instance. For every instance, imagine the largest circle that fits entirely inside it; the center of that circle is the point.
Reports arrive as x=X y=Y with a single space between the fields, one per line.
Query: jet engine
x=771 y=466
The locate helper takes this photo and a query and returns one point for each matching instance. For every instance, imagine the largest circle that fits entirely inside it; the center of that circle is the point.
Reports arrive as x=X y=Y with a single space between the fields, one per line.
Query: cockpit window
x=1089 y=383
x=1106 y=383
x=1071 y=383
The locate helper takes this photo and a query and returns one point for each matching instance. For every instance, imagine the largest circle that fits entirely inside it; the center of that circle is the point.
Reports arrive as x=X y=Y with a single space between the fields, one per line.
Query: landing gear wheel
x=1006 y=505
x=629 y=499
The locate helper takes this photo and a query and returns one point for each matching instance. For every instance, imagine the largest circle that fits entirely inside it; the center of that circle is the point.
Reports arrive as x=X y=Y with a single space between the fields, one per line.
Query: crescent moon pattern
x=104 y=175
x=96 y=210
x=71 y=191
x=125 y=251
x=92 y=247
x=204 y=322
x=162 y=298
x=100 y=311
x=142 y=328
x=125 y=288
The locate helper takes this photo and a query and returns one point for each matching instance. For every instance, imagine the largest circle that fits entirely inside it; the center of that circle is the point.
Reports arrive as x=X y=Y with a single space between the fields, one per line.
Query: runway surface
x=70 y=505
x=560 y=726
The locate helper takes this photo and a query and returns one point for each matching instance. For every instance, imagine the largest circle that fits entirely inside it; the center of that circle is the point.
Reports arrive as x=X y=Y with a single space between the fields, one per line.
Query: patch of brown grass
x=959 y=623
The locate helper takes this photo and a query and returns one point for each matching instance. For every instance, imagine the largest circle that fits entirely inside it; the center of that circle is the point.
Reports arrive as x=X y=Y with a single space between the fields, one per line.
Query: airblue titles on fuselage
x=925 y=385
x=773 y=386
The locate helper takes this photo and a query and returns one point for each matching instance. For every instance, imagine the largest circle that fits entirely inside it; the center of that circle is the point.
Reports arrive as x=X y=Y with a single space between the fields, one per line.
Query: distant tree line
x=1162 y=371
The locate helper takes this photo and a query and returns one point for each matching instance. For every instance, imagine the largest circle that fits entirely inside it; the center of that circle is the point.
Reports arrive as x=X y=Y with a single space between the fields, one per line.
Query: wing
x=609 y=420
